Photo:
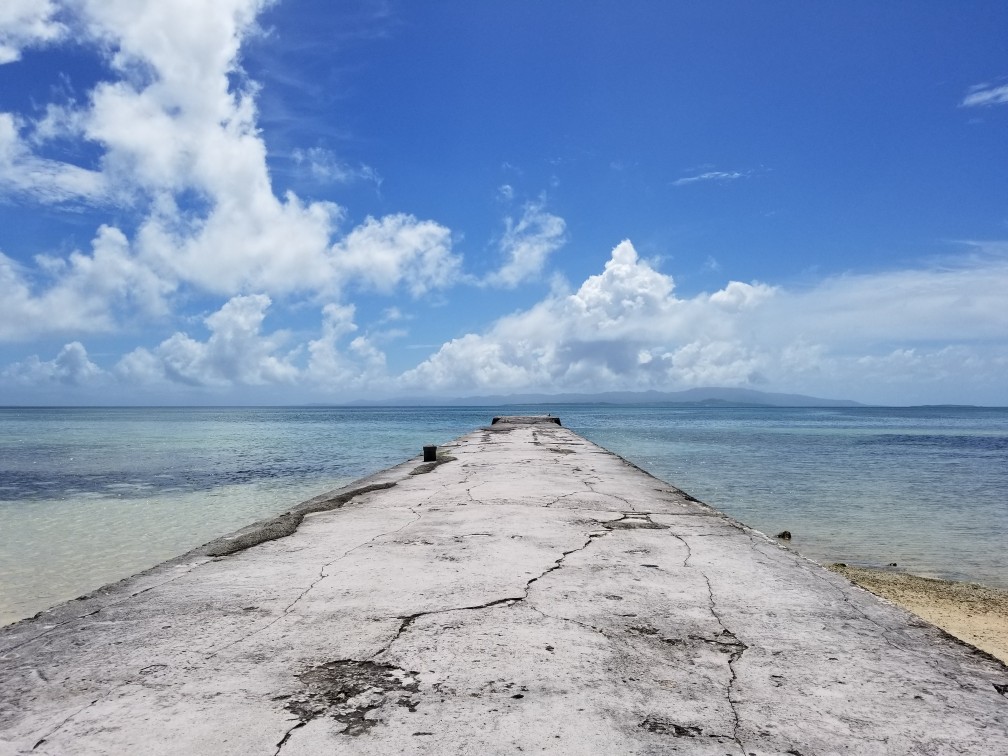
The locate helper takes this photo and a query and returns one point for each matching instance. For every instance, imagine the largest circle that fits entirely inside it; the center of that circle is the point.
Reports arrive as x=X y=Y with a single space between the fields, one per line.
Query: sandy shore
x=973 y=613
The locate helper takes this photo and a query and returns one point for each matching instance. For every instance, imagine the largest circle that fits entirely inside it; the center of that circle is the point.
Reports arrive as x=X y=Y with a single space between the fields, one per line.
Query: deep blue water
x=91 y=495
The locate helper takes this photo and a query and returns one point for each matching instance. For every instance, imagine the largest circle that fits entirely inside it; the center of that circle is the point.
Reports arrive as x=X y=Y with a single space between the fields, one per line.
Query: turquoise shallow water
x=88 y=496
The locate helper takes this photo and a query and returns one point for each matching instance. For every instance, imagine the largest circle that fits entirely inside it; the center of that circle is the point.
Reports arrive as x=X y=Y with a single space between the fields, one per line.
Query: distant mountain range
x=726 y=397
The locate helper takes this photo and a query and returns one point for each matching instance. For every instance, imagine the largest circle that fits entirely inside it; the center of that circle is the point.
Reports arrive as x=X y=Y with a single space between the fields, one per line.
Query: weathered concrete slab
x=530 y=592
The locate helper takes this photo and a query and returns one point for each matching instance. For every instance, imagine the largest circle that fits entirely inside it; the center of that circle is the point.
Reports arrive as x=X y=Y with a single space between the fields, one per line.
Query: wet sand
x=973 y=613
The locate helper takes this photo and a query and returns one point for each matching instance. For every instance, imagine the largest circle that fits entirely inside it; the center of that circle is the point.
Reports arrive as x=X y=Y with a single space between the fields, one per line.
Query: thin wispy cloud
x=985 y=94
x=326 y=167
x=46 y=181
x=711 y=265
x=719 y=176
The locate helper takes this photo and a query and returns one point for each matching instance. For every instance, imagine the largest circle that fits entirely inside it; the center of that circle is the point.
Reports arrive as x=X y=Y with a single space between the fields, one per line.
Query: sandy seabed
x=976 y=614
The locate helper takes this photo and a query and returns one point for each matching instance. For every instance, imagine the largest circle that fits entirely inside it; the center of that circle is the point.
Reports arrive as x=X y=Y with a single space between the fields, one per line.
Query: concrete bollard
x=430 y=454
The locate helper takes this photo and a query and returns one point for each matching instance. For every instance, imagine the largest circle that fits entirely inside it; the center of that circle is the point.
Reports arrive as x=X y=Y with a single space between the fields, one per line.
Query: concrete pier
x=526 y=591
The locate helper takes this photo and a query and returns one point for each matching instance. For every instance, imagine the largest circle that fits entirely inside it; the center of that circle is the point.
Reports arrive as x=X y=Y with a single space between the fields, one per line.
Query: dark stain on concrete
x=634 y=521
x=667 y=727
x=643 y=630
x=348 y=691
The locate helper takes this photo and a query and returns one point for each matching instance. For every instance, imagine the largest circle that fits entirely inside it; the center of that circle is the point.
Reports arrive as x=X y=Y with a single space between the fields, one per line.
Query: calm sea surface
x=88 y=496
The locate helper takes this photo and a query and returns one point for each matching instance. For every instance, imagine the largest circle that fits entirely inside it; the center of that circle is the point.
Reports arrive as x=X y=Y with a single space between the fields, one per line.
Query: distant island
x=709 y=397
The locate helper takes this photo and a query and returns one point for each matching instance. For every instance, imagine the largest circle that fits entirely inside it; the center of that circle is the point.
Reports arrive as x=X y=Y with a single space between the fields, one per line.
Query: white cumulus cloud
x=71 y=367
x=237 y=352
x=397 y=250
x=883 y=337
x=180 y=146
x=925 y=334
x=622 y=328
x=527 y=244
x=82 y=292
x=27 y=23
x=335 y=368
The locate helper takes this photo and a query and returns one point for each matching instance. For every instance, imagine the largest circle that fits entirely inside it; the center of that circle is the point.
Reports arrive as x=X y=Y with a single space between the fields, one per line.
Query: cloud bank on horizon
x=173 y=230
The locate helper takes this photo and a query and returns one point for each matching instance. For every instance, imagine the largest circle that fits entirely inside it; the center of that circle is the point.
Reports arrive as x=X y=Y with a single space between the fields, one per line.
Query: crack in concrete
x=559 y=498
x=725 y=642
x=737 y=649
x=471 y=488
x=322 y=576
x=267 y=530
x=283 y=741
x=408 y=620
x=734 y=646
x=60 y=726
x=559 y=562
x=591 y=487
x=573 y=621
x=93 y=612
x=689 y=550
x=621 y=498
x=109 y=693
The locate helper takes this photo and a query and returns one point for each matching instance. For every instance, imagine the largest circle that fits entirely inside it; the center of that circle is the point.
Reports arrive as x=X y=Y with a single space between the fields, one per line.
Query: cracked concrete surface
x=530 y=592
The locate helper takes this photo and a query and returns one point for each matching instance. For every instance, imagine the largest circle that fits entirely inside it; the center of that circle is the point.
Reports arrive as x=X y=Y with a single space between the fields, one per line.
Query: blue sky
x=305 y=201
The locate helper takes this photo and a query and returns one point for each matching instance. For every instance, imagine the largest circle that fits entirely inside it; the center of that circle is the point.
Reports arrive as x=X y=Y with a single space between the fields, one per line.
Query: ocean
x=92 y=495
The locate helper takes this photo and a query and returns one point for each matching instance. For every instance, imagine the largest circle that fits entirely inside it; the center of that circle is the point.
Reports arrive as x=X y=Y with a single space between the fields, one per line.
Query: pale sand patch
x=973 y=613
